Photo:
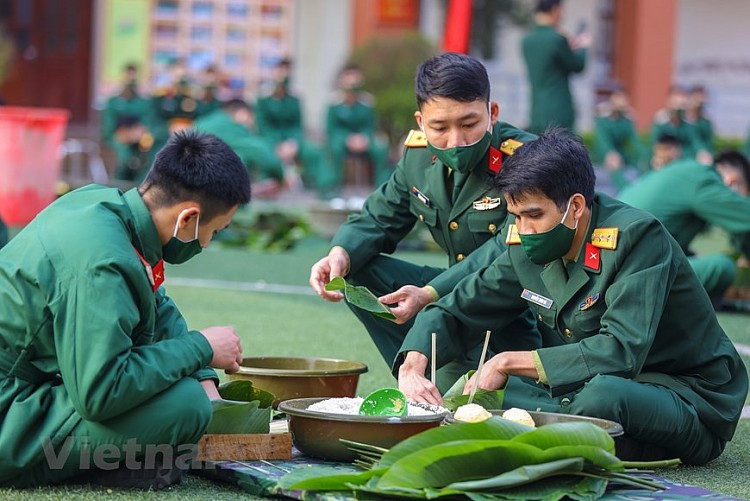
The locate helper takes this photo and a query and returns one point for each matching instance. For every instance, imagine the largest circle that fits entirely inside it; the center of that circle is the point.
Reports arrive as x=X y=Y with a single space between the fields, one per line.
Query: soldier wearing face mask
x=628 y=333
x=671 y=120
x=93 y=353
x=441 y=184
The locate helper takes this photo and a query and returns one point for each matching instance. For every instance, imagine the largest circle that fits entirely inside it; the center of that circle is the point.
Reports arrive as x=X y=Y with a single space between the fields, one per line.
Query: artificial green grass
x=303 y=325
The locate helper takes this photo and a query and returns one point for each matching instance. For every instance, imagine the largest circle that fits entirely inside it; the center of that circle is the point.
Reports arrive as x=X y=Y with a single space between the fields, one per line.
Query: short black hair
x=199 y=167
x=667 y=139
x=555 y=165
x=547 y=5
x=736 y=160
x=454 y=76
x=236 y=104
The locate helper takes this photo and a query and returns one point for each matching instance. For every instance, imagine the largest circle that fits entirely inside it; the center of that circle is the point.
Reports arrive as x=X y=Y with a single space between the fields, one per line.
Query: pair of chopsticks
x=479 y=369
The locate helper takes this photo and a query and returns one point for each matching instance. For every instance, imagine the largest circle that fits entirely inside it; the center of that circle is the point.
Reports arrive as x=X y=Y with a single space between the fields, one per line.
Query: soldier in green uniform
x=350 y=130
x=93 y=353
x=234 y=124
x=687 y=197
x=550 y=60
x=173 y=107
x=628 y=333
x=125 y=129
x=671 y=120
x=279 y=117
x=695 y=115
x=209 y=100
x=442 y=182
x=618 y=146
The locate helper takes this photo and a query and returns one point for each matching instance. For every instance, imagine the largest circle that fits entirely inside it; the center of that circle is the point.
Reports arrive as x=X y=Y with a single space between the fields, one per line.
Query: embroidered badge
x=509 y=146
x=589 y=302
x=487 y=203
x=535 y=298
x=416 y=139
x=593 y=257
x=605 y=238
x=496 y=160
x=512 y=237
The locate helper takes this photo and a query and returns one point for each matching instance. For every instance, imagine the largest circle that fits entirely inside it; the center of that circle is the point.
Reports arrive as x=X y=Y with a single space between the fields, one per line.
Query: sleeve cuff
x=433 y=293
x=542 y=376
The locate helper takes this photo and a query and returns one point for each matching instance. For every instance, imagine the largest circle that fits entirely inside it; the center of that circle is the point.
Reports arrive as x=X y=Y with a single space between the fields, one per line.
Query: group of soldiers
x=268 y=134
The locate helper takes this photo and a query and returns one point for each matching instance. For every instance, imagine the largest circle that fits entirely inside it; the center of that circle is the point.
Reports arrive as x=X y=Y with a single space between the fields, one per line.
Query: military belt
x=15 y=365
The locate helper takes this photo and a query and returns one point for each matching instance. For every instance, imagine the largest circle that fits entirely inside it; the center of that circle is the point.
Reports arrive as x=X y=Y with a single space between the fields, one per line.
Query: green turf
x=303 y=325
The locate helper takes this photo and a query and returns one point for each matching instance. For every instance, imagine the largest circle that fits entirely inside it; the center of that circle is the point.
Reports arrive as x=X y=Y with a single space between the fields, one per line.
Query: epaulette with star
x=605 y=238
x=509 y=146
x=416 y=139
x=512 y=237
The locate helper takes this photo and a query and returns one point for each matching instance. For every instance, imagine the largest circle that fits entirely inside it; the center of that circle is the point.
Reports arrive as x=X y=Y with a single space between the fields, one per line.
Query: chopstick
x=434 y=358
x=479 y=369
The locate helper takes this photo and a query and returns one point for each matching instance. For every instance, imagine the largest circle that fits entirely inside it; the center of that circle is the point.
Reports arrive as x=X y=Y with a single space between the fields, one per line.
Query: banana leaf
x=230 y=417
x=244 y=391
x=567 y=487
x=519 y=476
x=570 y=433
x=449 y=462
x=591 y=453
x=454 y=397
x=361 y=297
x=494 y=428
x=317 y=478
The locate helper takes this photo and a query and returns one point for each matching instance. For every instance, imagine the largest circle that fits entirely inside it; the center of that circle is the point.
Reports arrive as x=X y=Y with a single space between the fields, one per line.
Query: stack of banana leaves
x=493 y=459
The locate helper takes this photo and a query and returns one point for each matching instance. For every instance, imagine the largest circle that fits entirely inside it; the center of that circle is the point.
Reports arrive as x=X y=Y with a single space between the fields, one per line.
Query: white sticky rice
x=350 y=406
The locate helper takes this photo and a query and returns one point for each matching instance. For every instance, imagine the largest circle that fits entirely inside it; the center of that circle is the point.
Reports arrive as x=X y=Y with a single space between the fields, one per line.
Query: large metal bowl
x=317 y=434
x=541 y=418
x=297 y=377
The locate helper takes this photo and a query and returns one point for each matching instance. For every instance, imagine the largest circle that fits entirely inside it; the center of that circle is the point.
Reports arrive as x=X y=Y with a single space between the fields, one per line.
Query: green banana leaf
x=494 y=428
x=244 y=391
x=591 y=453
x=567 y=487
x=449 y=462
x=361 y=297
x=570 y=433
x=241 y=409
x=319 y=479
x=454 y=397
x=519 y=476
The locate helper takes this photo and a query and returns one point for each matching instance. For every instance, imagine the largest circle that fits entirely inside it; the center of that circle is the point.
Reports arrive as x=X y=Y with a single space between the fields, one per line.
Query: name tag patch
x=535 y=298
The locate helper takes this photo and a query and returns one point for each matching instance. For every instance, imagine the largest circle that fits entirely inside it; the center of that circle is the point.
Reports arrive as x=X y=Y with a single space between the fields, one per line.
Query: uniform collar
x=146 y=237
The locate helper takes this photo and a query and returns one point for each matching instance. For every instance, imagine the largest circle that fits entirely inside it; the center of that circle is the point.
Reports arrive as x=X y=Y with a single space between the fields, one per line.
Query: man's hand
x=413 y=384
x=357 y=143
x=287 y=151
x=335 y=264
x=226 y=346
x=613 y=161
x=494 y=376
x=409 y=301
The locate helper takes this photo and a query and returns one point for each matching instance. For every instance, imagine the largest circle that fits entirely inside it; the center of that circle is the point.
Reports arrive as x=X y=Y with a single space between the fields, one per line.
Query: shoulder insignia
x=512 y=237
x=509 y=146
x=605 y=238
x=416 y=139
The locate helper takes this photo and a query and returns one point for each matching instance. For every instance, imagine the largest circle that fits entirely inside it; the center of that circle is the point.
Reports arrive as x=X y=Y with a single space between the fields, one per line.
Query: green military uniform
x=418 y=193
x=686 y=197
x=746 y=146
x=685 y=132
x=87 y=348
x=254 y=150
x=208 y=104
x=550 y=61
x=627 y=332
x=280 y=119
x=3 y=233
x=343 y=119
x=168 y=105
x=616 y=132
x=132 y=160
x=704 y=130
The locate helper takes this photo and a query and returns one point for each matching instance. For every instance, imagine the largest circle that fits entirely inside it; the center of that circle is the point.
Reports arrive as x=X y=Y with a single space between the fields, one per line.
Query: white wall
x=713 y=49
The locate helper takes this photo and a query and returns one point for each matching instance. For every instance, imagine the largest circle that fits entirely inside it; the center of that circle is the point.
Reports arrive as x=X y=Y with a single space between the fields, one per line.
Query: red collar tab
x=496 y=160
x=592 y=259
x=155 y=274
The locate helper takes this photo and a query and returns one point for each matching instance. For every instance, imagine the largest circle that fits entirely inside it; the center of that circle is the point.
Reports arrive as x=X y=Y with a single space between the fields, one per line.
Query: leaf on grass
x=230 y=417
x=317 y=478
x=244 y=391
x=361 y=297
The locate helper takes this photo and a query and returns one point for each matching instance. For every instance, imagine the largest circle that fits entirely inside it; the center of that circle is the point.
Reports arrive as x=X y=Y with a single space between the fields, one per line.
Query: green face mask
x=543 y=248
x=178 y=251
x=463 y=158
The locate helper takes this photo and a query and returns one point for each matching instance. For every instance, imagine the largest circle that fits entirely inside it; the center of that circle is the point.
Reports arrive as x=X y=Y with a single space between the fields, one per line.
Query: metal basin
x=317 y=434
x=541 y=418
x=298 y=377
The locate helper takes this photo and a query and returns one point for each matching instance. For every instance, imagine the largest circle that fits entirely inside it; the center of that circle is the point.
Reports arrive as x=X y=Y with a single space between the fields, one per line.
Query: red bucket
x=30 y=161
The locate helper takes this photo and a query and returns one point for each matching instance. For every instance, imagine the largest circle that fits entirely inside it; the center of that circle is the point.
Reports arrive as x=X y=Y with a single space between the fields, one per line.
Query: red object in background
x=30 y=160
x=457 y=26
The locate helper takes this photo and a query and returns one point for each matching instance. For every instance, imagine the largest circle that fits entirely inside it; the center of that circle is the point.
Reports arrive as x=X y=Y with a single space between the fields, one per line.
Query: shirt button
x=421 y=217
x=460 y=257
x=492 y=228
x=568 y=332
x=453 y=226
x=565 y=402
x=539 y=317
